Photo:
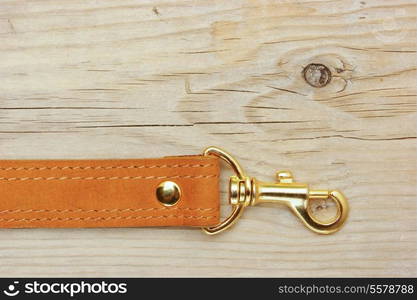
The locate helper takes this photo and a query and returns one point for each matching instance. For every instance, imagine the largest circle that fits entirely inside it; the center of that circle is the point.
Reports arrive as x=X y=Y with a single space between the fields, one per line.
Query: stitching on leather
x=8 y=211
x=105 y=167
x=107 y=218
x=105 y=178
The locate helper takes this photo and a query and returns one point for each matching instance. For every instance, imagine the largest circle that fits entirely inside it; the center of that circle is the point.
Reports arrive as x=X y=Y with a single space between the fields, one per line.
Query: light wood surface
x=119 y=79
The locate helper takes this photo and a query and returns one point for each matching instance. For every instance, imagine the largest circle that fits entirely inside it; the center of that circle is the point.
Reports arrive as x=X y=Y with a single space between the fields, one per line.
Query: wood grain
x=119 y=79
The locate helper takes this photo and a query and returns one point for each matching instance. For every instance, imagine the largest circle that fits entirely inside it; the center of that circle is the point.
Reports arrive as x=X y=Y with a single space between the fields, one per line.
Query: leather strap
x=107 y=193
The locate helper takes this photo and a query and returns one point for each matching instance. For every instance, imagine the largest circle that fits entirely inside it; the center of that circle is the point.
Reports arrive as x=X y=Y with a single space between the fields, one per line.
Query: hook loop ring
x=237 y=208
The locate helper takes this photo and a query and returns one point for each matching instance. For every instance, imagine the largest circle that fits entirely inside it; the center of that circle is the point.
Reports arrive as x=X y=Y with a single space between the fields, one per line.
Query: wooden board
x=119 y=79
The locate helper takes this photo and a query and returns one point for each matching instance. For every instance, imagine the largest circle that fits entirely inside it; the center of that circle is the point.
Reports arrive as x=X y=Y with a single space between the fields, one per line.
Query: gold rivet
x=168 y=193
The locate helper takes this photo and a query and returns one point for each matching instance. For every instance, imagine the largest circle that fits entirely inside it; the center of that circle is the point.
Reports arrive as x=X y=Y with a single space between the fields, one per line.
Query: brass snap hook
x=245 y=191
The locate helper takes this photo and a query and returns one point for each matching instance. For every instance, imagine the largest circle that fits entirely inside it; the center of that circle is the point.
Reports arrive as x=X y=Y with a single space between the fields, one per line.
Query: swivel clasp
x=248 y=191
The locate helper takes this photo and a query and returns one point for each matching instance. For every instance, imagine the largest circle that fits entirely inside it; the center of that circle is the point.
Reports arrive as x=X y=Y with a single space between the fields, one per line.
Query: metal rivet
x=168 y=193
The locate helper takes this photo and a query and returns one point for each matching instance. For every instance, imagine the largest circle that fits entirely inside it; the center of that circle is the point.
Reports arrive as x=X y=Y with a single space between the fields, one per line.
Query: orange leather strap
x=107 y=193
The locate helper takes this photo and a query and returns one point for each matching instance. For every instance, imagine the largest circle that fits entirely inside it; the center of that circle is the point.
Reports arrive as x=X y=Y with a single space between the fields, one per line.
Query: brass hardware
x=248 y=191
x=168 y=193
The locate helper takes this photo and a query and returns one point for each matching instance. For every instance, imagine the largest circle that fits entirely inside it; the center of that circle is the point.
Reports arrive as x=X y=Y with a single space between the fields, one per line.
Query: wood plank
x=119 y=79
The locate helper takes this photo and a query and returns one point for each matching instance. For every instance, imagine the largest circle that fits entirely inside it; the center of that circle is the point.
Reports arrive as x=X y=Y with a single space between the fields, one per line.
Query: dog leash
x=168 y=191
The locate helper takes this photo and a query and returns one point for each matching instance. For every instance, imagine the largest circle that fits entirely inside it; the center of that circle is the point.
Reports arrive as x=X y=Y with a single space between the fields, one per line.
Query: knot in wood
x=317 y=75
